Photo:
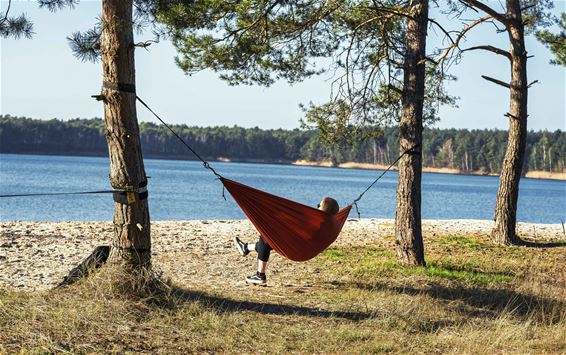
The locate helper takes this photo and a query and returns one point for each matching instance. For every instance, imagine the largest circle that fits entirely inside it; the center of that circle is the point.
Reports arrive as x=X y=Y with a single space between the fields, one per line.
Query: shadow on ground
x=529 y=244
x=484 y=302
x=228 y=305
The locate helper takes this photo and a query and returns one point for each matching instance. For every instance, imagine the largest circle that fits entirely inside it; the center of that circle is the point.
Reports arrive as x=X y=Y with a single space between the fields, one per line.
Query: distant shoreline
x=535 y=174
x=354 y=165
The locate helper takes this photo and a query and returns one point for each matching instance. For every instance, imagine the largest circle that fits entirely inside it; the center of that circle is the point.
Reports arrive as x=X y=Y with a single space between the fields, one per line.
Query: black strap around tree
x=125 y=196
x=131 y=88
x=131 y=195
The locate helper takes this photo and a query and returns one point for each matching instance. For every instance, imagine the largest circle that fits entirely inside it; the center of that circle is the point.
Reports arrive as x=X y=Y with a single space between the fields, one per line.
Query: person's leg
x=263 y=251
x=261 y=266
x=243 y=247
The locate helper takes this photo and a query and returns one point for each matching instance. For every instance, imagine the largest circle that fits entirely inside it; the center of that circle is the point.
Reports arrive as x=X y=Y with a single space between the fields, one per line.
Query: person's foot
x=256 y=279
x=241 y=246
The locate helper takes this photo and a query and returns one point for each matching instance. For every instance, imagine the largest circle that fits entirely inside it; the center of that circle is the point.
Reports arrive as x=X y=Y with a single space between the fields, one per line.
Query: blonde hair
x=330 y=205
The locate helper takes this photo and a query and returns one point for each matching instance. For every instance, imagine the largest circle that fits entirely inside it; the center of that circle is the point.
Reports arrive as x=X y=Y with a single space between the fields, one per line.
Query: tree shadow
x=485 y=302
x=152 y=288
x=529 y=244
x=177 y=296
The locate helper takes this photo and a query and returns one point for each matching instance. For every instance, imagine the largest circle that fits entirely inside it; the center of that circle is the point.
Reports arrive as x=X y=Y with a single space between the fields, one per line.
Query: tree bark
x=131 y=245
x=504 y=230
x=408 y=233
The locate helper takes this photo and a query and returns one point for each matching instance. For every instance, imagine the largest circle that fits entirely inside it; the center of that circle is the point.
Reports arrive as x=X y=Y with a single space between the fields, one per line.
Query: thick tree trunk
x=132 y=243
x=408 y=233
x=508 y=193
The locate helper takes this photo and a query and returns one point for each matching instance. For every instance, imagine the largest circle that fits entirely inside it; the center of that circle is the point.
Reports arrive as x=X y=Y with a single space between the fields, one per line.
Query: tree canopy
x=556 y=42
x=359 y=45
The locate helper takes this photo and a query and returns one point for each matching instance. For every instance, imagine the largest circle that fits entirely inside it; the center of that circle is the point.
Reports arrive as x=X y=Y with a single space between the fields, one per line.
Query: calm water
x=182 y=190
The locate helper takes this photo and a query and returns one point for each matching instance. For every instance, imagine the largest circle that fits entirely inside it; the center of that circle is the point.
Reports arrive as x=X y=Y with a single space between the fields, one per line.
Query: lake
x=184 y=190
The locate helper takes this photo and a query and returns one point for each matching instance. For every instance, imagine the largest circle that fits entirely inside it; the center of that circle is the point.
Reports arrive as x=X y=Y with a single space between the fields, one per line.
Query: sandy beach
x=534 y=174
x=37 y=255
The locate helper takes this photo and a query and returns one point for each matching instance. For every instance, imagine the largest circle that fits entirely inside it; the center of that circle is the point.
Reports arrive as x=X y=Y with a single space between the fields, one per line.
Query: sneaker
x=256 y=279
x=241 y=246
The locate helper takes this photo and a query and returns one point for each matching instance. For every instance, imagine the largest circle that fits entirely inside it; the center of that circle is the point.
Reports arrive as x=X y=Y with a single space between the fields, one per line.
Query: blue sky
x=40 y=78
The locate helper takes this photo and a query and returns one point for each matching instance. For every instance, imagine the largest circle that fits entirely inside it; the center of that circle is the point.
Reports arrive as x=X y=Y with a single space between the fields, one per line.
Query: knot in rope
x=207 y=166
x=355 y=203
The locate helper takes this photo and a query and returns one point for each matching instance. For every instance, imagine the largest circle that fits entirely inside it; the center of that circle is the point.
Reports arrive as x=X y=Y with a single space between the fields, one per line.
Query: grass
x=472 y=297
x=371 y=261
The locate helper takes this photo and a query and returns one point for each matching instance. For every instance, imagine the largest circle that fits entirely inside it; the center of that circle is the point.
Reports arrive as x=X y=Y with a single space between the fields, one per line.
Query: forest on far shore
x=466 y=150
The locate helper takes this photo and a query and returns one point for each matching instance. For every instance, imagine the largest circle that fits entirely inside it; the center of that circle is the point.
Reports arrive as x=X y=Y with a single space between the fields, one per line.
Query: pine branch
x=490 y=49
x=7 y=12
x=433 y=21
x=461 y=35
x=523 y=9
x=86 y=45
x=55 y=5
x=485 y=8
x=498 y=82
x=16 y=27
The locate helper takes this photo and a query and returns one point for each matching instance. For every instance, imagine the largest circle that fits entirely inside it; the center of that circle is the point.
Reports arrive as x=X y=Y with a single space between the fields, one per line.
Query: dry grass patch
x=472 y=297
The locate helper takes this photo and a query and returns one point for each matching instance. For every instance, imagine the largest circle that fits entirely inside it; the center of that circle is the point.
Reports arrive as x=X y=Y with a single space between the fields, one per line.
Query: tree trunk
x=508 y=193
x=408 y=233
x=131 y=245
x=375 y=151
x=543 y=157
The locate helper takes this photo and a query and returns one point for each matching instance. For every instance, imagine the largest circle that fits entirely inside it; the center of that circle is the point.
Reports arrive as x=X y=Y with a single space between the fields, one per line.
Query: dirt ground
x=37 y=255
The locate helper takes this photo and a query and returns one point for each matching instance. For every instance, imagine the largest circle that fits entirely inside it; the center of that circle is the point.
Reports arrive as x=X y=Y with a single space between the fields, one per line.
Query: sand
x=37 y=255
x=534 y=174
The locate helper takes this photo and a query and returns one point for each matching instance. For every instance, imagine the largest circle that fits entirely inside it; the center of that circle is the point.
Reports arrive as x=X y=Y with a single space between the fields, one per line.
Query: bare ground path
x=197 y=254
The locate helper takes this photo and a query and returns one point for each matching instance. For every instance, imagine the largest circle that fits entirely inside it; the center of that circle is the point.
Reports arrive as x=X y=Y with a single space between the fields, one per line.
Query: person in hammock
x=263 y=249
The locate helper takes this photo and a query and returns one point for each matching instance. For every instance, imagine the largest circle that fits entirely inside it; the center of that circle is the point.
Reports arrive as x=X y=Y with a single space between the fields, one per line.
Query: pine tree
x=555 y=42
x=132 y=240
x=517 y=17
x=114 y=43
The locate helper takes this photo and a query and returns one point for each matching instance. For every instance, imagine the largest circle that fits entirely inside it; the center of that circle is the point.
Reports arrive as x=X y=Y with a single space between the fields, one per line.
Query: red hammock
x=294 y=230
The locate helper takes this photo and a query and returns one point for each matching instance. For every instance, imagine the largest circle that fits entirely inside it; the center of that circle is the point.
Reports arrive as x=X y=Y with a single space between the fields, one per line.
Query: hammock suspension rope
x=207 y=165
x=127 y=195
x=294 y=230
x=142 y=191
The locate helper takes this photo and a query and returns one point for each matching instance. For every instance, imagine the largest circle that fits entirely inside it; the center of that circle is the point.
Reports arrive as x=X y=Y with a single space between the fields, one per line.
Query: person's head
x=328 y=204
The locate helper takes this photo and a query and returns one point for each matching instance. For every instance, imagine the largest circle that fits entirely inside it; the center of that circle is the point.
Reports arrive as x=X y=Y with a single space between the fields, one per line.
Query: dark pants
x=263 y=249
